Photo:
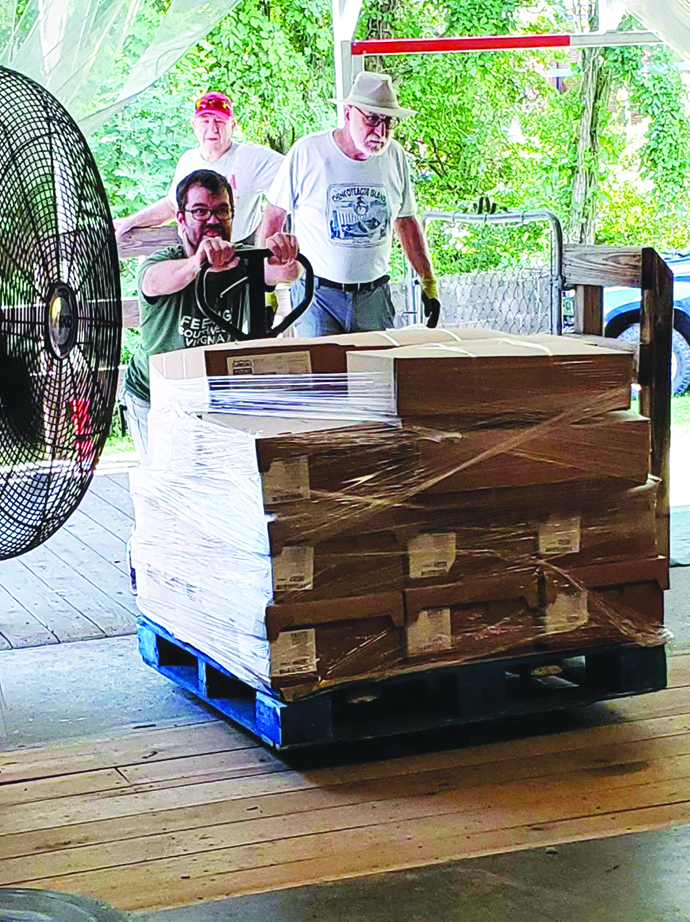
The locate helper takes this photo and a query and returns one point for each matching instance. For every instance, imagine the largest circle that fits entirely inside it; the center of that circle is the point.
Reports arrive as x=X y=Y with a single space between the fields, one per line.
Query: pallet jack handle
x=260 y=318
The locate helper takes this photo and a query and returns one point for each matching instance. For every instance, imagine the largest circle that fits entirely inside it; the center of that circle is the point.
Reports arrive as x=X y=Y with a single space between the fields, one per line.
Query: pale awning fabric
x=669 y=19
x=77 y=50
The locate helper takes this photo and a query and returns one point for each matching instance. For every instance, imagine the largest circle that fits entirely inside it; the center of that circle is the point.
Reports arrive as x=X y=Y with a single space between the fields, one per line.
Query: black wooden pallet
x=436 y=697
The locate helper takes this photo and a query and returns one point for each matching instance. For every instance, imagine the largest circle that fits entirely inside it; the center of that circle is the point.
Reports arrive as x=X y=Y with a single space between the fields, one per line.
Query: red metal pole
x=501 y=42
x=461 y=43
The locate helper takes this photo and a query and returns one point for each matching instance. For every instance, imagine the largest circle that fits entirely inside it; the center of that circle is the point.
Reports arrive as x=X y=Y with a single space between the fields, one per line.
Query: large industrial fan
x=60 y=315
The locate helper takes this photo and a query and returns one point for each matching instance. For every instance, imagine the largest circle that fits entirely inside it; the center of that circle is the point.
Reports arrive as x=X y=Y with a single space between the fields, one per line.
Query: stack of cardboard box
x=500 y=504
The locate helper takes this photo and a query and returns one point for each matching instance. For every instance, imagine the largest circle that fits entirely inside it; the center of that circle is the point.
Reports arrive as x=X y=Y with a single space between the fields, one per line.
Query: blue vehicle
x=622 y=319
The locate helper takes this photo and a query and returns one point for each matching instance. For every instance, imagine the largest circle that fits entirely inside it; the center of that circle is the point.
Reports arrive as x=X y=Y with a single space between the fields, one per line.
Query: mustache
x=217 y=230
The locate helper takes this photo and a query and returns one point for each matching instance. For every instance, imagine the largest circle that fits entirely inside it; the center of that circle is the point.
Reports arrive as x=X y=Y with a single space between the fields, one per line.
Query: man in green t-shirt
x=170 y=317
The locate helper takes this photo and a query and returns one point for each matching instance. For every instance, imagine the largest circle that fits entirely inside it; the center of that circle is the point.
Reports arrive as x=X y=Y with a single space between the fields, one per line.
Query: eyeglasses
x=201 y=213
x=373 y=121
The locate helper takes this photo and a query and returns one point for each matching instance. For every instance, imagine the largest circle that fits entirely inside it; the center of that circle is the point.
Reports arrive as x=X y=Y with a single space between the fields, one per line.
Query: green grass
x=118 y=445
x=680 y=411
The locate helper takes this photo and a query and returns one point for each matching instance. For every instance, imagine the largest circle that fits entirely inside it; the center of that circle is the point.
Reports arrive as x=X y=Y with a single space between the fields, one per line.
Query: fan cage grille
x=55 y=231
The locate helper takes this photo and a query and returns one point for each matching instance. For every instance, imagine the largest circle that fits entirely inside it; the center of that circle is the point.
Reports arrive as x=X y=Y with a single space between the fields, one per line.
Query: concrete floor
x=88 y=688
x=91 y=688
x=627 y=879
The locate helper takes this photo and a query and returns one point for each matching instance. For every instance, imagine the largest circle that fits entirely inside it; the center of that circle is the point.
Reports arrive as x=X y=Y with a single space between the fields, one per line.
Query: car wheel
x=680 y=357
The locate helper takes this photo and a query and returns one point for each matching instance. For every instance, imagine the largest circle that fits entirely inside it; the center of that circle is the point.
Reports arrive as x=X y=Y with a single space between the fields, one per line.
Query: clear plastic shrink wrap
x=397 y=508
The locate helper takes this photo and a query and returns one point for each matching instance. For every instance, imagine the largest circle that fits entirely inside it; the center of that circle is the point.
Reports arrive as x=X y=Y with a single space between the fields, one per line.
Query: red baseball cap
x=215 y=103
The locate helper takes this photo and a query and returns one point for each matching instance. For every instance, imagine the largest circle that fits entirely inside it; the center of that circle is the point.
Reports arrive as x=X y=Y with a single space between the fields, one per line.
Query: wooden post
x=656 y=330
x=589 y=309
x=637 y=267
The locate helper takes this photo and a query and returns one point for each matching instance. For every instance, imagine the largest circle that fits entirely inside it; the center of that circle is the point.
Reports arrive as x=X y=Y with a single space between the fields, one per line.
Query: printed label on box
x=431 y=554
x=560 y=535
x=569 y=611
x=272 y=363
x=293 y=569
x=286 y=481
x=430 y=633
x=294 y=652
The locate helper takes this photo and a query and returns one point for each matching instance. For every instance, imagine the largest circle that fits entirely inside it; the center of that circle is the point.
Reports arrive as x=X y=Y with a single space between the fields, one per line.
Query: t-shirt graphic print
x=358 y=215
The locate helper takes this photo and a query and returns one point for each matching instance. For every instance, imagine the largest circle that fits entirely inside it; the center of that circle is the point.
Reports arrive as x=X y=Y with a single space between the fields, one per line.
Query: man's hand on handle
x=283 y=247
x=218 y=253
x=282 y=266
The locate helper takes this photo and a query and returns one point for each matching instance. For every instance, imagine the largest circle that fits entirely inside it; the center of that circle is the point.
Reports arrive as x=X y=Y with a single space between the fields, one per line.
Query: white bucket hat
x=374 y=92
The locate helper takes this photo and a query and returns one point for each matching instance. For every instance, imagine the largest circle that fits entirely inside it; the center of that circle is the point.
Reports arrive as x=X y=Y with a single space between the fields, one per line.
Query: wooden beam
x=130 y=313
x=595 y=265
x=145 y=240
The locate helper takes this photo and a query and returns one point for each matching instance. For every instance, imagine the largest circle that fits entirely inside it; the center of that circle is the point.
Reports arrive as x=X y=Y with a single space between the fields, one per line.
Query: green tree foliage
x=648 y=185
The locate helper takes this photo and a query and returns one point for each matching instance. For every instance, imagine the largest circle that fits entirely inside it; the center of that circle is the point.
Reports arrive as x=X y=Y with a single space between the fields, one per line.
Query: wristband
x=430 y=288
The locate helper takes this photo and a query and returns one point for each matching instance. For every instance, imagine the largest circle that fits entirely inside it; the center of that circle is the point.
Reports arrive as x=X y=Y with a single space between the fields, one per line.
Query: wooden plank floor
x=171 y=816
x=76 y=586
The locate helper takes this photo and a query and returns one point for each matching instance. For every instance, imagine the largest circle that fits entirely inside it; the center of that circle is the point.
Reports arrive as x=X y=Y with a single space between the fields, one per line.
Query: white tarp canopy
x=669 y=19
x=74 y=48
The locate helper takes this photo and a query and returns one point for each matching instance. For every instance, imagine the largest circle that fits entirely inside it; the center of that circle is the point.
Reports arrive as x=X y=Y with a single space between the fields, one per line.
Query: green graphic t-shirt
x=174 y=321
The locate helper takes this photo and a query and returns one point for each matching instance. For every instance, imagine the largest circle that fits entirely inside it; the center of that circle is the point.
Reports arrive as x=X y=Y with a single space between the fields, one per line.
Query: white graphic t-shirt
x=249 y=168
x=343 y=209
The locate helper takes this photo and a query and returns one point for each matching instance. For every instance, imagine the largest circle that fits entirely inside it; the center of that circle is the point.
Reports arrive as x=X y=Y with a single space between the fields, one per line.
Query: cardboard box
x=299 y=355
x=315 y=644
x=499 y=381
x=452 y=547
x=373 y=461
x=475 y=618
x=369 y=462
x=537 y=611
x=339 y=568
x=615 y=445
x=610 y=603
x=437 y=553
x=623 y=527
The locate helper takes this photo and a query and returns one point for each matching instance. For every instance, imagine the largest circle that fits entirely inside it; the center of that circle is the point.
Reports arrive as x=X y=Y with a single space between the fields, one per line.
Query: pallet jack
x=259 y=320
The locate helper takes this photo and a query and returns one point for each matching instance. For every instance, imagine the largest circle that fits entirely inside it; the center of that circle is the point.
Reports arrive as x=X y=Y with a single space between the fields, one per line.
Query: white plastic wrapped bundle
x=280 y=512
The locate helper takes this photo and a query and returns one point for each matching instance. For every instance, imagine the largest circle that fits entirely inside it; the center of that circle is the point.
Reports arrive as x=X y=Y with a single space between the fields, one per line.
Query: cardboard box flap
x=623 y=571
x=319 y=355
x=520 y=584
x=302 y=614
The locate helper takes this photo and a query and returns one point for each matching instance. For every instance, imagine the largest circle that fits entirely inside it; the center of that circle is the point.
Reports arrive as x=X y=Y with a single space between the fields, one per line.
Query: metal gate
x=513 y=280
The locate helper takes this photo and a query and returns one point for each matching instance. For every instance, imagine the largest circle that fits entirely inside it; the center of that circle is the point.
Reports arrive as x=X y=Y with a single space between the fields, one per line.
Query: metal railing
x=516 y=282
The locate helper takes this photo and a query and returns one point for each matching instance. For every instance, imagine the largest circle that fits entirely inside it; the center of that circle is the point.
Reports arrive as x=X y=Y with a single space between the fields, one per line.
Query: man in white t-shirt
x=347 y=191
x=249 y=168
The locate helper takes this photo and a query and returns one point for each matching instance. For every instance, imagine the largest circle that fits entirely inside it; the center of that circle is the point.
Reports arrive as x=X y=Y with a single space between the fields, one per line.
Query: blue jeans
x=333 y=311
x=137 y=411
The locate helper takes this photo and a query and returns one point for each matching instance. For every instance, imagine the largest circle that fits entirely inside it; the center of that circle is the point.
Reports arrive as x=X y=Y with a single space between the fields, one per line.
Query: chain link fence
x=512 y=281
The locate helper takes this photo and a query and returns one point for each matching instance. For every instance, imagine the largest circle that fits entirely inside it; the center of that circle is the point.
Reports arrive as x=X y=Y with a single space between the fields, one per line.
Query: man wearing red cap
x=248 y=168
